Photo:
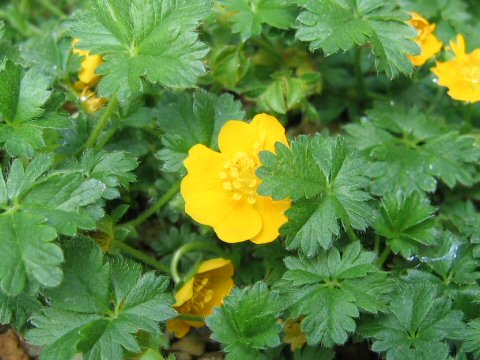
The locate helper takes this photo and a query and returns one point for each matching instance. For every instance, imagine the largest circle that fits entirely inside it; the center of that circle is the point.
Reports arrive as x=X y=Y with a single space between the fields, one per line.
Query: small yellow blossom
x=294 y=334
x=87 y=76
x=428 y=42
x=92 y=102
x=207 y=289
x=461 y=74
x=220 y=189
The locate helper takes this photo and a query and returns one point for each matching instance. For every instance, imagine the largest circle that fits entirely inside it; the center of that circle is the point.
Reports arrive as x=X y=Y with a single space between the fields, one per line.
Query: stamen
x=239 y=177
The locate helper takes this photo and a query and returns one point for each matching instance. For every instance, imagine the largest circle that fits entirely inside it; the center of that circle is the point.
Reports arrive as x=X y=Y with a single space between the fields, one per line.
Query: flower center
x=239 y=177
x=201 y=296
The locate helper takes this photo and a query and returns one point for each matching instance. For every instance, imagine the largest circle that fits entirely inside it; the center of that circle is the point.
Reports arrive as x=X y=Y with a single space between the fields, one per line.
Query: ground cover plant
x=240 y=179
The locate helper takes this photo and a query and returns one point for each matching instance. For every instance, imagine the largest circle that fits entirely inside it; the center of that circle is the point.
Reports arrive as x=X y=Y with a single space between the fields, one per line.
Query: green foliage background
x=382 y=245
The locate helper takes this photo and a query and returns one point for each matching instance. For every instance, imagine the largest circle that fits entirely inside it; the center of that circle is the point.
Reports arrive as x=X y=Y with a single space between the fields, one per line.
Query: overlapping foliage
x=381 y=249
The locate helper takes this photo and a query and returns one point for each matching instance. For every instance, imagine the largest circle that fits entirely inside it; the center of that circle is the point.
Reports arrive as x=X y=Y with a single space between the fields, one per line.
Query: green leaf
x=156 y=39
x=247 y=322
x=15 y=310
x=287 y=92
x=250 y=15
x=472 y=337
x=326 y=181
x=116 y=302
x=29 y=258
x=335 y=25
x=419 y=320
x=69 y=198
x=412 y=149
x=329 y=290
x=20 y=133
x=112 y=169
x=407 y=222
x=228 y=65
x=190 y=120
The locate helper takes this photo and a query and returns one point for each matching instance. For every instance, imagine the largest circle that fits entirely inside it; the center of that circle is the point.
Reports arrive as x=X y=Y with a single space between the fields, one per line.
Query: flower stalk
x=112 y=106
x=157 y=205
x=146 y=259
x=196 y=245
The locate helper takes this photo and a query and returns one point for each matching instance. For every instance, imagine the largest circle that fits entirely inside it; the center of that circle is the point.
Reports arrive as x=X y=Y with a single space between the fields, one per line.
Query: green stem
x=106 y=138
x=112 y=105
x=376 y=244
x=350 y=233
x=127 y=249
x=156 y=206
x=182 y=250
x=47 y=4
x=384 y=256
x=359 y=71
x=188 y=317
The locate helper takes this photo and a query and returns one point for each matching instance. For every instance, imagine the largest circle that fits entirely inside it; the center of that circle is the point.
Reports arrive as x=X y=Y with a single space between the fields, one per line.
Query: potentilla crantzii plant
x=240 y=179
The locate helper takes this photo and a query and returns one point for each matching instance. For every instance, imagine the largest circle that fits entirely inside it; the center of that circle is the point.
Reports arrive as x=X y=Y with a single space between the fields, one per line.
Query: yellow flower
x=207 y=289
x=220 y=189
x=461 y=74
x=92 y=102
x=88 y=79
x=87 y=76
x=428 y=42
x=294 y=334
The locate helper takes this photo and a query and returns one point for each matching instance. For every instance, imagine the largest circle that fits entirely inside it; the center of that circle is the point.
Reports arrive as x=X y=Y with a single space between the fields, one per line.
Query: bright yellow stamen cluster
x=239 y=177
x=202 y=295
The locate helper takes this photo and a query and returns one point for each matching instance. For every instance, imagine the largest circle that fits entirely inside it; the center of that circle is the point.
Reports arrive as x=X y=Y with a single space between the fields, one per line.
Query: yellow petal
x=184 y=293
x=212 y=264
x=261 y=134
x=273 y=217
x=236 y=136
x=89 y=65
x=221 y=288
x=241 y=223
x=205 y=199
x=269 y=131
x=178 y=327
x=458 y=47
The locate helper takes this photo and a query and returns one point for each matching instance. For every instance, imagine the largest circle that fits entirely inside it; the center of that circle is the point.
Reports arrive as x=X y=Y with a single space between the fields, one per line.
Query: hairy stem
x=157 y=205
x=137 y=254
x=196 y=245
x=384 y=256
x=112 y=105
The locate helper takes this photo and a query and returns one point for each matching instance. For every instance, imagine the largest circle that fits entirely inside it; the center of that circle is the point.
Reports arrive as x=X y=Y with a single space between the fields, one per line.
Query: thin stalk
x=384 y=256
x=48 y=5
x=188 y=317
x=156 y=206
x=106 y=138
x=376 y=244
x=182 y=250
x=127 y=249
x=350 y=233
x=112 y=105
